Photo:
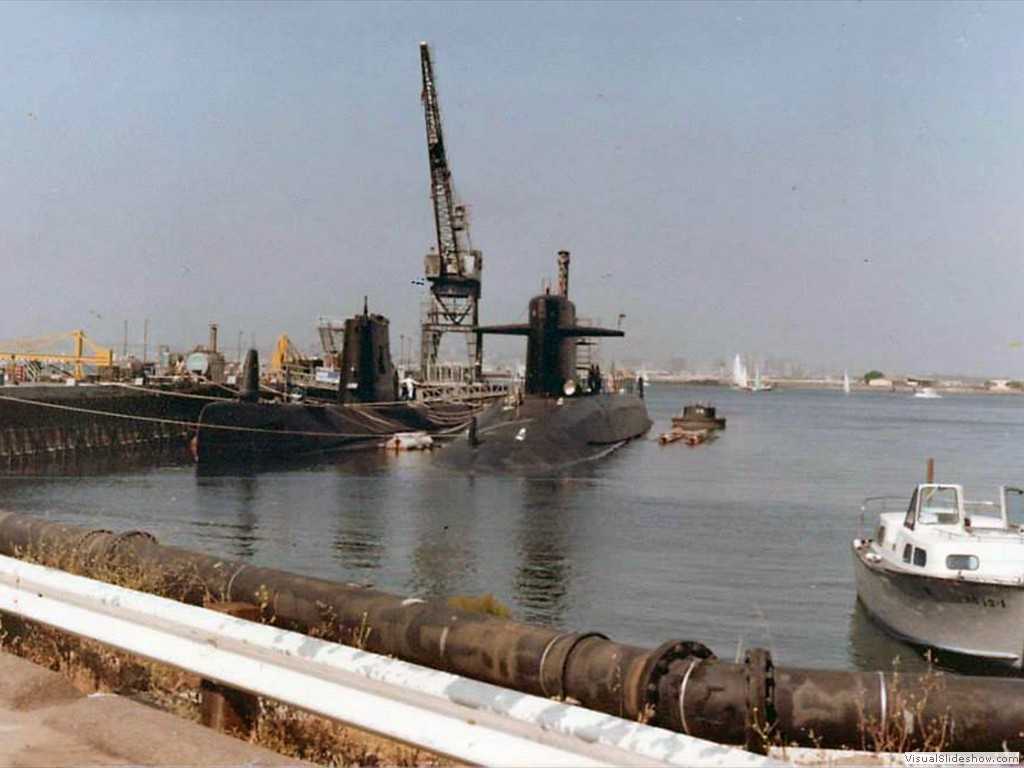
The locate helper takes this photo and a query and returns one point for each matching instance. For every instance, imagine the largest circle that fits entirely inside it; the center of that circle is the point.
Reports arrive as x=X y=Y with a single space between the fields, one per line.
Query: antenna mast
x=453 y=270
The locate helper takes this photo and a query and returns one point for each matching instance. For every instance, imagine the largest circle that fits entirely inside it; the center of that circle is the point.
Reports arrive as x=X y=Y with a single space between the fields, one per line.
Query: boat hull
x=970 y=619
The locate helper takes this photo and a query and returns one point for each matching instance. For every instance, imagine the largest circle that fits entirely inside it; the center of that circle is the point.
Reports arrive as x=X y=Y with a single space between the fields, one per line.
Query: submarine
x=559 y=419
x=366 y=410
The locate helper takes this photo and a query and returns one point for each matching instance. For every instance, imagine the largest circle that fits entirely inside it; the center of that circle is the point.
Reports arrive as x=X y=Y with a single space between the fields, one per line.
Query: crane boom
x=453 y=271
x=440 y=175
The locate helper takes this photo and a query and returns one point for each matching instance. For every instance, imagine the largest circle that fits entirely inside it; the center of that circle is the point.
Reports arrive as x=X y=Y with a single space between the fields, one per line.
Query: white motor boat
x=928 y=393
x=946 y=573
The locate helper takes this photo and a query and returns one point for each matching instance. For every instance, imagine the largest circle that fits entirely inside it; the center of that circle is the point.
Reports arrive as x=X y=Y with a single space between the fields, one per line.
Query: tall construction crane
x=453 y=269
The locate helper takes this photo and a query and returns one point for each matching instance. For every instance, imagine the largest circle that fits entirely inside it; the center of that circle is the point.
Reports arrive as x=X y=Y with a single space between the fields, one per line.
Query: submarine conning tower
x=367 y=372
x=249 y=386
x=551 y=338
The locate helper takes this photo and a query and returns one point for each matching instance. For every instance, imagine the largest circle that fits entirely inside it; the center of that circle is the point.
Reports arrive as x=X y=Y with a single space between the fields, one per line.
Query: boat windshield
x=1013 y=504
x=938 y=505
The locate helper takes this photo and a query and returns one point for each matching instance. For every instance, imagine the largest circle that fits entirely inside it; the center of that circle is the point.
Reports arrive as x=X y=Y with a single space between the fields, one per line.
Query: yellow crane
x=285 y=354
x=54 y=349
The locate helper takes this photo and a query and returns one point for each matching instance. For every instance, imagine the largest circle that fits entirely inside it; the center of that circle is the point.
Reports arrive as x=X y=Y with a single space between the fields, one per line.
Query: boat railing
x=433 y=392
x=879 y=505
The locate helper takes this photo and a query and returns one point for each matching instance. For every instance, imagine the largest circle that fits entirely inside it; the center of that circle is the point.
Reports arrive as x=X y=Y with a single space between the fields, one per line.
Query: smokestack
x=563 y=274
x=213 y=337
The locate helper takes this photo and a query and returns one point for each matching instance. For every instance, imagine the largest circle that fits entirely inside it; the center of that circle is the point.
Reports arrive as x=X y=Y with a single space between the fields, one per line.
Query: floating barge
x=688 y=436
x=44 y=424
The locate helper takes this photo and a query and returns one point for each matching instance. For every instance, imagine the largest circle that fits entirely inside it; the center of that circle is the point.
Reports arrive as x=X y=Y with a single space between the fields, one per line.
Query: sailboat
x=740 y=380
x=759 y=385
x=846 y=383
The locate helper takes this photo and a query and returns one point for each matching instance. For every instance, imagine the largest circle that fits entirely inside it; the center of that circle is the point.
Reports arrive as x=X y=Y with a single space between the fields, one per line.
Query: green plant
x=487 y=604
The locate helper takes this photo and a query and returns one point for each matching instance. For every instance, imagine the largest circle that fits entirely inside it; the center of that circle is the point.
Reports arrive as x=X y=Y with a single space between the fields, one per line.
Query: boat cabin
x=943 y=535
x=944 y=505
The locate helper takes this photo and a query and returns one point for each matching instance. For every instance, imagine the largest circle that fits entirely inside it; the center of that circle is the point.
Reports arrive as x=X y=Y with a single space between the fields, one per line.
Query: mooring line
x=196 y=424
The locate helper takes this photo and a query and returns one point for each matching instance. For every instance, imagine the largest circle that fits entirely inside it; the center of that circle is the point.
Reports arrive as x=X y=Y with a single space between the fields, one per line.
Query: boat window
x=962 y=562
x=939 y=506
x=906 y=553
x=920 y=557
x=880 y=534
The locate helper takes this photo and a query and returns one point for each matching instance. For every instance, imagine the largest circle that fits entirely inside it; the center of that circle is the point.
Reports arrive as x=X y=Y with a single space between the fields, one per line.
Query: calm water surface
x=739 y=542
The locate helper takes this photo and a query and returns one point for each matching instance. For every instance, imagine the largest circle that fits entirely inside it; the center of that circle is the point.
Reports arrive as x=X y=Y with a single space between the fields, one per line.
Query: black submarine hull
x=545 y=434
x=230 y=433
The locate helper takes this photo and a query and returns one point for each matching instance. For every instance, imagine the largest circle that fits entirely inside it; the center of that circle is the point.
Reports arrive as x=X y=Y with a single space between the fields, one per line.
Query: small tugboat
x=947 y=573
x=698 y=416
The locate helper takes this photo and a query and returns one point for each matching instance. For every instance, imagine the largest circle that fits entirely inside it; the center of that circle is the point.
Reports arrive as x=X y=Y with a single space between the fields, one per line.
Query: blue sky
x=839 y=184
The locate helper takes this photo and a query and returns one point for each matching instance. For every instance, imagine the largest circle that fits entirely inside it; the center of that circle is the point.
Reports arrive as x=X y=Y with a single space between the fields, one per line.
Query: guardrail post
x=226 y=709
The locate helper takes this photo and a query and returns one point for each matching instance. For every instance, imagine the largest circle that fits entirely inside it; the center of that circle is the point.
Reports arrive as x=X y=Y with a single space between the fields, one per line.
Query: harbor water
x=740 y=542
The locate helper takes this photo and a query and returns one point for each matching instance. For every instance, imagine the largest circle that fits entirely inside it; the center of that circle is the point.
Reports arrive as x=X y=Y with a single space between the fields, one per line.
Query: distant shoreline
x=899 y=387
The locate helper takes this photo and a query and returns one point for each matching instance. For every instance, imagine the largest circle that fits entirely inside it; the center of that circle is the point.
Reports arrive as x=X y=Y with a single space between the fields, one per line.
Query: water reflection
x=245 y=537
x=443 y=558
x=232 y=514
x=871 y=648
x=93 y=463
x=544 y=571
x=362 y=510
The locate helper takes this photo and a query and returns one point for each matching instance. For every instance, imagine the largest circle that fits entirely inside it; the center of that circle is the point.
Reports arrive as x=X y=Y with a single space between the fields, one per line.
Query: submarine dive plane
x=557 y=421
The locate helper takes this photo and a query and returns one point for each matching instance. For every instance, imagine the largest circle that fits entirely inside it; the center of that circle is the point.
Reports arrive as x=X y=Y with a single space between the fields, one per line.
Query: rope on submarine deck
x=223 y=427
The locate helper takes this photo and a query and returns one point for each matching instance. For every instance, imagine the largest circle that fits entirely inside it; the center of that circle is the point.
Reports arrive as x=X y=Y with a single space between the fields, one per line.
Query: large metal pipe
x=845 y=709
x=600 y=674
x=679 y=685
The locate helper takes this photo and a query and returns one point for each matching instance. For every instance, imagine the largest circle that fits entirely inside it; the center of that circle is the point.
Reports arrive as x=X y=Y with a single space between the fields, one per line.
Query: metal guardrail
x=463 y=719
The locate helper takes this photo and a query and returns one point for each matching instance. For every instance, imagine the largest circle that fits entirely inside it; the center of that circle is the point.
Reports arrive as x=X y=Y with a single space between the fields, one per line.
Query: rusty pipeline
x=679 y=685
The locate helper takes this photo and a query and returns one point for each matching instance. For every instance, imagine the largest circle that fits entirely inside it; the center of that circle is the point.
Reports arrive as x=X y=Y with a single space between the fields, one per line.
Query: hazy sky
x=841 y=184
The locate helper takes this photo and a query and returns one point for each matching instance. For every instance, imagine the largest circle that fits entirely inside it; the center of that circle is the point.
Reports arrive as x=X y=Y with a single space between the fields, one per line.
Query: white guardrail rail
x=463 y=719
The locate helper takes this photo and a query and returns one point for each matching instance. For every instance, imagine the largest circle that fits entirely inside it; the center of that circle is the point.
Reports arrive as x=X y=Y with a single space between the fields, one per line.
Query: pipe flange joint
x=122 y=538
x=120 y=545
x=83 y=546
x=554 y=661
x=655 y=668
x=761 y=715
